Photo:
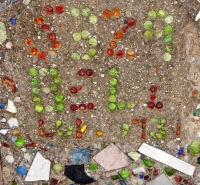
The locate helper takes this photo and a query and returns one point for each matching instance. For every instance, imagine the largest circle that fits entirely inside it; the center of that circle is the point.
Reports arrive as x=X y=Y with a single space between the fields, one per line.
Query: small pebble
x=9 y=45
x=13 y=21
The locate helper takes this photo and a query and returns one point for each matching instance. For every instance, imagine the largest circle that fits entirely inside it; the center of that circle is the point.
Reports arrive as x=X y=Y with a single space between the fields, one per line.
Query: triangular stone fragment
x=112 y=158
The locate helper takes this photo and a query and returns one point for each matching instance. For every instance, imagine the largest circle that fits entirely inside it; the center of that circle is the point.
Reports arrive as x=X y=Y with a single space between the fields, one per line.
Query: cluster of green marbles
x=158 y=33
x=69 y=131
x=161 y=133
x=92 y=42
x=53 y=72
x=113 y=91
x=85 y=12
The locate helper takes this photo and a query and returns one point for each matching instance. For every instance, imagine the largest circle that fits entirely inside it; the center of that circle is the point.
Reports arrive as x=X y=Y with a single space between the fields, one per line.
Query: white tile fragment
x=167 y=159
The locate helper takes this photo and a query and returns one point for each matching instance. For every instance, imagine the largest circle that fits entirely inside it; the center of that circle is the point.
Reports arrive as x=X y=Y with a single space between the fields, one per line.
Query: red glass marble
x=48 y=9
x=131 y=21
x=120 y=54
x=51 y=37
x=59 y=9
x=42 y=55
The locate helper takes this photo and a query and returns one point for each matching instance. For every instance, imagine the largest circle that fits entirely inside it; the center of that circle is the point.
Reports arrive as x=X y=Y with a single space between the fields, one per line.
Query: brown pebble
x=16 y=132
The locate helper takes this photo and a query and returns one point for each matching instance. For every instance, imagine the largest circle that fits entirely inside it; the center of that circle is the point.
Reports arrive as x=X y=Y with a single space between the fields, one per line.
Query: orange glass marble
x=39 y=20
x=42 y=133
x=113 y=44
x=118 y=35
x=42 y=55
x=135 y=121
x=195 y=92
x=116 y=12
x=106 y=14
x=130 y=53
x=110 y=52
x=33 y=51
x=29 y=41
x=55 y=44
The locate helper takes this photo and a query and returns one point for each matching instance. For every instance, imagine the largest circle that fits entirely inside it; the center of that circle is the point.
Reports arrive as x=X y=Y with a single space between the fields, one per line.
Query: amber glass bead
x=42 y=133
x=59 y=9
x=195 y=92
x=56 y=44
x=178 y=125
x=42 y=55
x=45 y=27
x=33 y=51
x=135 y=121
x=143 y=120
x=49 y=134
x=143 y=136
x=29 y=41
x=79 y=134
x=143 y=125
x=118 y=35
x=106 y=14
x=110 y=52
x=113 y=44
x=30 y=145
x=130 y=53
x=39 y=20
x=178 y=132
x=48 y=9
x=116 y=12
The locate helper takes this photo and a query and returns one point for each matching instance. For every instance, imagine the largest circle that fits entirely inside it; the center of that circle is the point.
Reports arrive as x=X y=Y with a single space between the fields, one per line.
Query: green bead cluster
x=158 y=33
x=85 y=12
x=53 y=88
x=126 y=129
x=113 y=91
x=92 y=42
x=161 y=133
x=63 y=133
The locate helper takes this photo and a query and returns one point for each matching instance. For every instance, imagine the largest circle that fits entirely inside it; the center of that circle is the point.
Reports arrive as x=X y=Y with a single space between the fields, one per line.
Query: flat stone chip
x=112 y=158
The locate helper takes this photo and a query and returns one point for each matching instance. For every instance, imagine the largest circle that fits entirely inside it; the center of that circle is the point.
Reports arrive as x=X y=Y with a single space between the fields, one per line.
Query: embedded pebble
x=3 y=120
x=9 y=158
x=17 y=100
x=13 y=123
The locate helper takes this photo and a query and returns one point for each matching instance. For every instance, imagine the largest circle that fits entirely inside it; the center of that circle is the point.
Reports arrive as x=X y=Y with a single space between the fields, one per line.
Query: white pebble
x=13 y=122
x=9 y=158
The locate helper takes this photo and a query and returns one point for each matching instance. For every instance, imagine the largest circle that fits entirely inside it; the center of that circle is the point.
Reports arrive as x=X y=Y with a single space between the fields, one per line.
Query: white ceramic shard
x=13 y=123
x=4 y=131
x=198 y=16
x=167 y=159
x=11 y=107
x=3 y=120
x=139 y=169
x=134 y=155
x=39 y=169
x=112 y=158
x=9 y=158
